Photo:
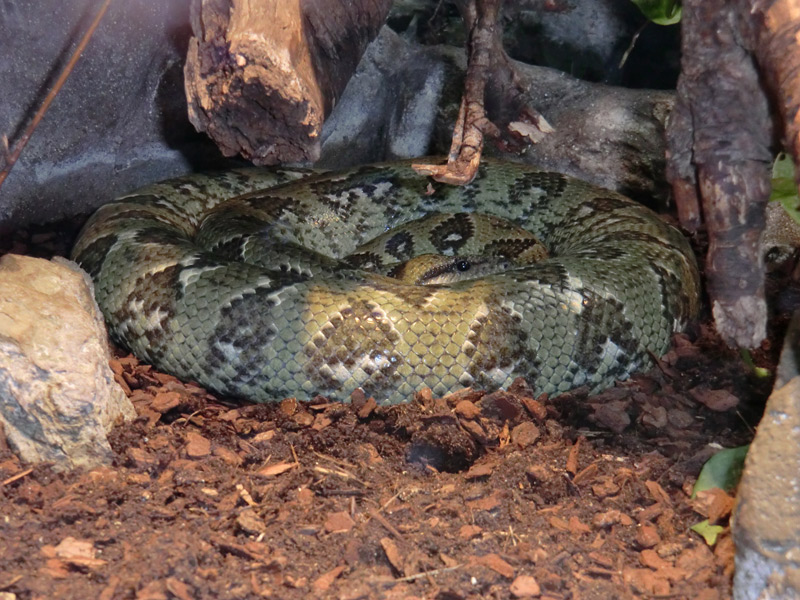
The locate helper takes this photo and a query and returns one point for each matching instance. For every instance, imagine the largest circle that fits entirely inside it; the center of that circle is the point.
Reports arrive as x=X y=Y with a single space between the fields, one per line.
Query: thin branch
x=12 y=156
x=471 y=124
x=416 y=576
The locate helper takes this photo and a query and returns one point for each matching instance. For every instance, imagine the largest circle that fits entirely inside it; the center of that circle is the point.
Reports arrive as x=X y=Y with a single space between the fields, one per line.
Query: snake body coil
x=245 y=282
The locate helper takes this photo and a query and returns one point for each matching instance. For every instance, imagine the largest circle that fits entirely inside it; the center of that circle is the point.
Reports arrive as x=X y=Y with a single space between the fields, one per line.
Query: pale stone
x=766 y=524
x=58 y=397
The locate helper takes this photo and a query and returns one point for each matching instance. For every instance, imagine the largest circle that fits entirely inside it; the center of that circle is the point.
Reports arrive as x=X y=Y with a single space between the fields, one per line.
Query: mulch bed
x=474 y=495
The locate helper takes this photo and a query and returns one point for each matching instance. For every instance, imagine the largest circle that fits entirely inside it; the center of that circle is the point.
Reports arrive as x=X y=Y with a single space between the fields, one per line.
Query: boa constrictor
x=256 y=283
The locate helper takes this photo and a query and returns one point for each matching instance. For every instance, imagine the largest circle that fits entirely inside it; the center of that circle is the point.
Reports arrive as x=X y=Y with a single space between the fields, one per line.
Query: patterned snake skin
x=254 y=283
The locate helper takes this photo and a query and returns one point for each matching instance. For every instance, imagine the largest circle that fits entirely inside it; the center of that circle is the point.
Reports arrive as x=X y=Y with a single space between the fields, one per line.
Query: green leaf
x=784 y=188
x=709 y=532
x=661 y=12
x=747 y=358
x=722 y=470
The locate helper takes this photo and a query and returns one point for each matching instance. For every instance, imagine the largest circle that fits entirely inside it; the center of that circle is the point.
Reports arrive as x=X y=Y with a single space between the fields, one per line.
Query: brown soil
x=474 y=495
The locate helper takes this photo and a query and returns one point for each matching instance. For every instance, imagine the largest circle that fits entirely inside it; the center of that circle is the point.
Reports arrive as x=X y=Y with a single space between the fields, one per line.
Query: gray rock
x=608 y=135
x=766 y=528
x=388 y=108
x=58 y=397
x=611 y=136
x=585 y=38
x=120 y=120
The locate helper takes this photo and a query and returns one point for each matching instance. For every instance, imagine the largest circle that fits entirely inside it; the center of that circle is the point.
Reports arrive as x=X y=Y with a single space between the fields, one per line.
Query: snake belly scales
x=238 y=281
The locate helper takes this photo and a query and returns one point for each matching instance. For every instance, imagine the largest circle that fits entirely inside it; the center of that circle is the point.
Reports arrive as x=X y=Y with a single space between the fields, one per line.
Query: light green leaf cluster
x=709 y=532
x=661 y=12
x=722 y=470
x=784 y=188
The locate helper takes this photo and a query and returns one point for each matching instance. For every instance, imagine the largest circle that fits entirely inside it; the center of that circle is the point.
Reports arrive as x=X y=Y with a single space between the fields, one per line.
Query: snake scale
x=257 y=284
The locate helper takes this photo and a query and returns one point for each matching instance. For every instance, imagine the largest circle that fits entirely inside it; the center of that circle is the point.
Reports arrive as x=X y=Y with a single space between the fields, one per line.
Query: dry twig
x=12 y=156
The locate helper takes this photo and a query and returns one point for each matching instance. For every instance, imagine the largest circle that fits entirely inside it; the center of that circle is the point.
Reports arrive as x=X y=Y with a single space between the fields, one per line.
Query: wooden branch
x=493 y=85
x=262 y=75
x=719 y=141
x=465 y=151
x=774 y=29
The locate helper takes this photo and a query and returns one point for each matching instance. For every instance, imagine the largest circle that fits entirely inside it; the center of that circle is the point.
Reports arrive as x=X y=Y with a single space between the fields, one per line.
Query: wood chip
x=497 y=564
x=536 y=409
x=611 y=517
x=288 y=406
x=121 y=381
x=658 y=493
x=165 y=401
x=79 y=553
x=586 y=475
x=572 y=459
x=647 y=536
x=263 y=437
x=487 y=503
x=393 y=554
x=612 y=415
x=321 y=422
x=178 y=589
x=467 y=532
x=577 y=527
x=339 y=522
x=645 y=582
x=525 y=586
x=275 y=469
x=605 y=489
x=524 y=434
x=367 y=408
x=650 y=558
x=141 y=458
x=559 y=523
x=604 y=560
x=197 y=446
x=717 y=400
x=325 y=581
x=467 y=409
x=228 y=456
x=650 y=513
x=714 y=503
x=477 y=471
x=249 y=522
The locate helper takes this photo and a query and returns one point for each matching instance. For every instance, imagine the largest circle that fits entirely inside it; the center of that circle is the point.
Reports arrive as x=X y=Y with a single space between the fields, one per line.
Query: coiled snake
x=257 y=284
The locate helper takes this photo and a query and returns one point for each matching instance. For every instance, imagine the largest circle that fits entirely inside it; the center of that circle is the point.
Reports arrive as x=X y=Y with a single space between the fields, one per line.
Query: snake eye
x=463 y=265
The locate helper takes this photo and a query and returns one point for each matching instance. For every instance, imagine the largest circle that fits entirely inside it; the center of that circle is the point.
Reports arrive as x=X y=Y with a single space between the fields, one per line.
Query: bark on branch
x=738 y=59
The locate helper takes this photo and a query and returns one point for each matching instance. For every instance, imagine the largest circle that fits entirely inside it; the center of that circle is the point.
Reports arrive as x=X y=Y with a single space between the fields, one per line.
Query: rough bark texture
x=775 y=34
x=719 y=139
x=261 y=76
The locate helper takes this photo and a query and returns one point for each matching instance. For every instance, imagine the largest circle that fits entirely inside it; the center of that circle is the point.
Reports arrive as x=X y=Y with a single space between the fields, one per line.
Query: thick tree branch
x=719 y=138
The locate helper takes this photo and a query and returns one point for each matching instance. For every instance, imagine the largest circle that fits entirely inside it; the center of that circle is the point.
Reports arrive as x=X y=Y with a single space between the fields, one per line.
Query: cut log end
x=262 y=77
x=270 y=116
